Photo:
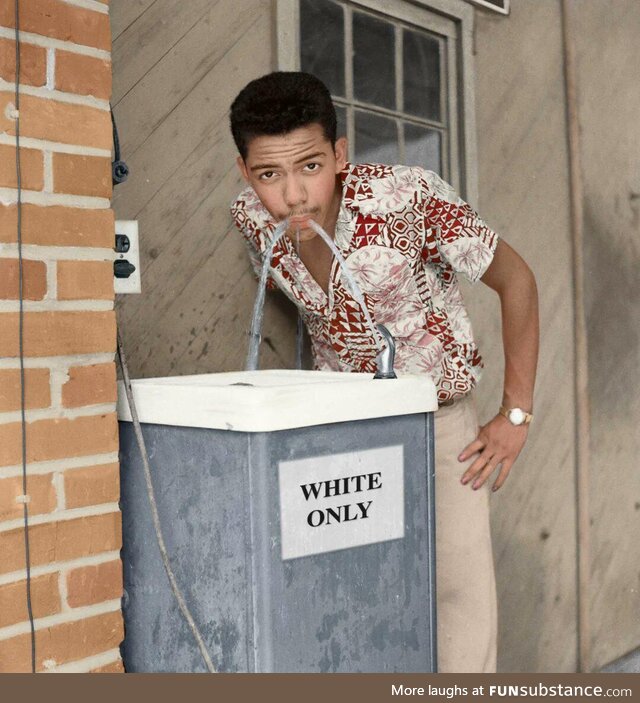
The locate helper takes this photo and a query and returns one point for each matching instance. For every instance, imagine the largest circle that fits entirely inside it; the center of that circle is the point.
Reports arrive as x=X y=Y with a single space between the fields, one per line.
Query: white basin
x=268 y=400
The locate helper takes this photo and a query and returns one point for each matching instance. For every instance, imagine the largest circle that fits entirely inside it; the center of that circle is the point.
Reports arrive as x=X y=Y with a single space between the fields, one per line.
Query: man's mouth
x=300 y=219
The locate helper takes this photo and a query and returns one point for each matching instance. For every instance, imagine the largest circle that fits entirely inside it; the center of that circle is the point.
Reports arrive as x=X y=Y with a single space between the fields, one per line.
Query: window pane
x=373 y=61
x=322 y=42
x=376 y=139
x=421 y=71
x=423 y=147
x=341 y=114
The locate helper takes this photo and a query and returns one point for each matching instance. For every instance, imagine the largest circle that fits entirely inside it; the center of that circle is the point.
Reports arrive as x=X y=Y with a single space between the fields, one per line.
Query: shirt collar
x=351 y=187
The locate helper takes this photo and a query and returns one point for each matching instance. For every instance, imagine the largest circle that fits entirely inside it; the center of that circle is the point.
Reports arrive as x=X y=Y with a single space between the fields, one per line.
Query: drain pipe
x=582 y=422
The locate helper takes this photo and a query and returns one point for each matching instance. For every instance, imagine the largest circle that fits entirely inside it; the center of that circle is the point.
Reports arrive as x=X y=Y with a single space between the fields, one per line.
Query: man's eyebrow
x=299 y=161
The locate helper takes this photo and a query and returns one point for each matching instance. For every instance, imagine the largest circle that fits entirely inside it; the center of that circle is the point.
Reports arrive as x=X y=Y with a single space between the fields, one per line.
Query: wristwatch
x=516 y=416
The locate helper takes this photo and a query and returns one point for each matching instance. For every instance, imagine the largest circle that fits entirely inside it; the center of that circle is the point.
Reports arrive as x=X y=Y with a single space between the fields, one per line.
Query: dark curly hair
x=280 y=102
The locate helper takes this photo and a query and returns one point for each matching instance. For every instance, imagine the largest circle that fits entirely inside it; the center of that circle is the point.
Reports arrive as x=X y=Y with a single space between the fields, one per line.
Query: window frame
x=505 y=10
x=462 y=150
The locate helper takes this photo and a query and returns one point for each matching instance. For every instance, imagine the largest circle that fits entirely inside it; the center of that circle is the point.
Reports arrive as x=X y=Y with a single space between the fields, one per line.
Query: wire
x=25 y=508
x=154 y=512
x=116 y=140
x=300 y=323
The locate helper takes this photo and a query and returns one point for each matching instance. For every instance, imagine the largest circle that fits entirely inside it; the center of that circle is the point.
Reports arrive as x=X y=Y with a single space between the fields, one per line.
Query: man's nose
x=294 y=193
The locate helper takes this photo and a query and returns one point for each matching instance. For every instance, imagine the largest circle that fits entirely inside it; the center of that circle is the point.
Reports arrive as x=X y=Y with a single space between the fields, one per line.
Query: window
x=501 y=6
x=400 y=97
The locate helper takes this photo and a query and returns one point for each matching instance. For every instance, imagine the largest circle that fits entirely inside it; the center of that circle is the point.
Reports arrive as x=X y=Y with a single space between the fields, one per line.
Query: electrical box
x=126 y=262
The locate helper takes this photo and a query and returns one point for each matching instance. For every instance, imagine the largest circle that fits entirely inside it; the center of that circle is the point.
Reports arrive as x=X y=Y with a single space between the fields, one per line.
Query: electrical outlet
x=127 y=250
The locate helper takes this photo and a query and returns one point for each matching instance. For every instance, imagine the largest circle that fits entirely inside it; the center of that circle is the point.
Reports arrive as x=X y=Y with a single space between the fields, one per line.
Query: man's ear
x=341 y=153
x=243 y=168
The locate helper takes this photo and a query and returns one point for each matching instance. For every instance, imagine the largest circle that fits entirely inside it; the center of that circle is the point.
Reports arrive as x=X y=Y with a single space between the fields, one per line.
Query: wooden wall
x=524 y=195
x=609 y=102
x=177 y=67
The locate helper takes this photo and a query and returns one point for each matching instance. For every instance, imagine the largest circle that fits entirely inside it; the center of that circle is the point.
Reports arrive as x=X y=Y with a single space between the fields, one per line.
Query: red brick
x=63 y=643
x=59 y=333
x=85 y=75
x=115 y=667
x=45 y=599
x=82 y=175
x=59 y=226
x=31 y=168
x=85 y=280
x=37 y=391
x=34 y=280
x=44 y=118
x=61 y=541
x=33 y=63
x=92 y=485
x=40 y=490
x=59 y=20
x=90 y=385
x=94 y=584
x=59 y=438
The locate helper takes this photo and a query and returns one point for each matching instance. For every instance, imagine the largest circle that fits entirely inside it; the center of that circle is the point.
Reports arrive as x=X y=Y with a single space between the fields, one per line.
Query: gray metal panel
x=369 y=608
x=200 y=493
x=361 y=609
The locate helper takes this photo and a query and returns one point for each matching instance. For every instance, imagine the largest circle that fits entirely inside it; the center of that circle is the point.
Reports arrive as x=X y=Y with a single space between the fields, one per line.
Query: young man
x=405 y=235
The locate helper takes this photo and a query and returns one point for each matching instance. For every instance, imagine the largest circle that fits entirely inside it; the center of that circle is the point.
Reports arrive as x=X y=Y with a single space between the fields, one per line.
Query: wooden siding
x=609 y=106
x=177 y=67
x=524 y=195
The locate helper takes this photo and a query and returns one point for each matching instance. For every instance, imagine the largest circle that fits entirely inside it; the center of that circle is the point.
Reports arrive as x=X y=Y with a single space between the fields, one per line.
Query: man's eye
x=312 y=164
x=266 y=173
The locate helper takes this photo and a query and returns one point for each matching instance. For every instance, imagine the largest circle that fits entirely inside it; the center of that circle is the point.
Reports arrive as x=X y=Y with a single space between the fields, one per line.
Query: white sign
x=338 y=501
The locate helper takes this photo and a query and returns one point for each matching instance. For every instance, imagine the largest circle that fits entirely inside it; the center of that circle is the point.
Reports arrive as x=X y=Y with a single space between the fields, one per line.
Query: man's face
x=294 y=175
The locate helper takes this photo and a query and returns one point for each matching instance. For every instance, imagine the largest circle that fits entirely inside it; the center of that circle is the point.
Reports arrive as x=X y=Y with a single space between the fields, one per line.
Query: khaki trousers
x=465 y=578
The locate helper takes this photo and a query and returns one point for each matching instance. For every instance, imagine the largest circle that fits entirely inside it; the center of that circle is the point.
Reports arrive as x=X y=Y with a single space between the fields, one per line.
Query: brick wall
x=69 y=342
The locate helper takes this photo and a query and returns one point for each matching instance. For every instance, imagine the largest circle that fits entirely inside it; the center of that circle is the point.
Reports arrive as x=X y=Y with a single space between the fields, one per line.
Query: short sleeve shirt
x=405 y=235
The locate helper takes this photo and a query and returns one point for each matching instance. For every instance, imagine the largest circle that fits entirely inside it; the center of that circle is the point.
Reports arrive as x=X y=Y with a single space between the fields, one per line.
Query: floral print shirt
x=405 y=234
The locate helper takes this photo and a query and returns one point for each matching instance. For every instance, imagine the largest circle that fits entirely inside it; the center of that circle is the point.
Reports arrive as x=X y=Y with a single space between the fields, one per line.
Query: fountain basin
x=270 y=400
x=298 y=512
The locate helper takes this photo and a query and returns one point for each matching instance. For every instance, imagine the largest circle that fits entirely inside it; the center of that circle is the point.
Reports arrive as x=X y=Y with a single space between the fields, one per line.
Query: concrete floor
x=629 y=664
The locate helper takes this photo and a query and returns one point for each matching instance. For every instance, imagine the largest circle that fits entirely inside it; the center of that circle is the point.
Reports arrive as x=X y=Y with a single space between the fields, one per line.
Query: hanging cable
x=119 y=169
x=182 y=604
x=120 y=173
x=25 y=499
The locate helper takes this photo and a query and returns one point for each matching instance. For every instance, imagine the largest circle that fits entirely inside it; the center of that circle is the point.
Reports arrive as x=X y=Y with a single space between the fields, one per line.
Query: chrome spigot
x=385 y=358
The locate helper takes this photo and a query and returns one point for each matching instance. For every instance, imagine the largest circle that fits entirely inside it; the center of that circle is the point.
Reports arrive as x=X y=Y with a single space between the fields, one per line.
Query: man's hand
x=499 y=442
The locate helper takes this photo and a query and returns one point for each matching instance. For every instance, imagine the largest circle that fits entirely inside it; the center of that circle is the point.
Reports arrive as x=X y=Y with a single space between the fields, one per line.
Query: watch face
x=517 y=416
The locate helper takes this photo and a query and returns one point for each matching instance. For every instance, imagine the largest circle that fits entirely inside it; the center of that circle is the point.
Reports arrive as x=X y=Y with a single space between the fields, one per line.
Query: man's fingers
x=497 y=444
x=477 y=466
x=471 y=449
x=502 y=476
x=486 y=472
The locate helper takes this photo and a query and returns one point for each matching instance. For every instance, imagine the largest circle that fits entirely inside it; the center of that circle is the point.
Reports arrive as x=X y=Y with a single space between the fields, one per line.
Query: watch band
x=527 y=417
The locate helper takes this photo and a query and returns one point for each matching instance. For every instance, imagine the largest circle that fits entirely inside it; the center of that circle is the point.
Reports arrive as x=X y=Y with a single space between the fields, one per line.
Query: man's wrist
x=518 y=401
x=516 y=416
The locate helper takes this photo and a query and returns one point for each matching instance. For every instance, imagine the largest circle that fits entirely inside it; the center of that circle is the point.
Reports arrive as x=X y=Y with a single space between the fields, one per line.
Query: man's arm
x=500 y=442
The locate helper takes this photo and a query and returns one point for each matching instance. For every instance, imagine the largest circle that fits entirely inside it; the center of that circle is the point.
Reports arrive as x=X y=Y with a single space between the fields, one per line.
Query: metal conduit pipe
x=582 y=420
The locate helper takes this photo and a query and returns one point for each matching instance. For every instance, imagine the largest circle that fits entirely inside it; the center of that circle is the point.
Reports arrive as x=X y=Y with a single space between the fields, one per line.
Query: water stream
x=258 y=308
